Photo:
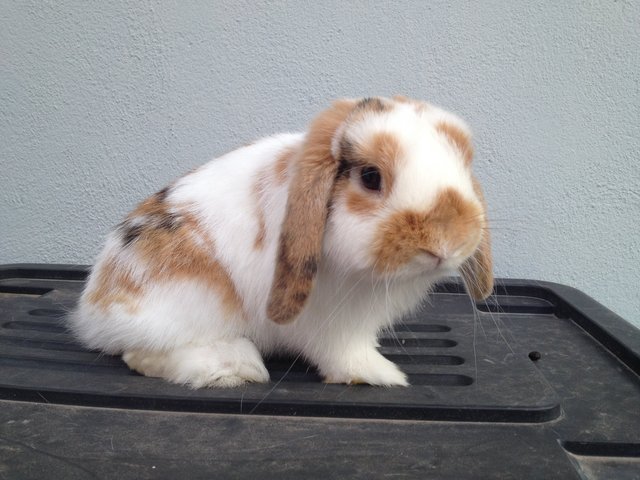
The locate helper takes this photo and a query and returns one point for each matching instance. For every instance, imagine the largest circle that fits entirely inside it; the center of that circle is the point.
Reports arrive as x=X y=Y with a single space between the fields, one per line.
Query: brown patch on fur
x=403 y=99
x=357 y=200
x=418 y=105
x=281 y=169
x=360 y=203
x=477 y=271
x=258 y=243
x=257 y=193
x=451 y=224
x=384 y=151
x=307 y=206
x=115 y=286
x=276 y=174
x=371 y=104
x=458 y=138
x=154 y=205
x=173 y=246
x=187 y=253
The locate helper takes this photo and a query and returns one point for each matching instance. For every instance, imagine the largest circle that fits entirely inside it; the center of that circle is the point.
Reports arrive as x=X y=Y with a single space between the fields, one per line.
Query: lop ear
x=300 y=246
x=477 y=271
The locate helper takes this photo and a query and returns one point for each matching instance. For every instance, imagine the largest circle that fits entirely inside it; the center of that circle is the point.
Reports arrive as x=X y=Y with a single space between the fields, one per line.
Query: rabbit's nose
x=436 y=257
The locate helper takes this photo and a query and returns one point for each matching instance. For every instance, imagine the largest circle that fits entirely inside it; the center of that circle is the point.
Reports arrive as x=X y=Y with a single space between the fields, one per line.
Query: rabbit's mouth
x=422 y=266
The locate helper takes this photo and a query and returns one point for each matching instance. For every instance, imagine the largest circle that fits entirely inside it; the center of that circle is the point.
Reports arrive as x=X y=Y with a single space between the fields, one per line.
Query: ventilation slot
x=418 y=342
x=421 y=328
x=47 y=312
x=408 y=358
x=35 y=326
x=515 y=304
x=24 y=290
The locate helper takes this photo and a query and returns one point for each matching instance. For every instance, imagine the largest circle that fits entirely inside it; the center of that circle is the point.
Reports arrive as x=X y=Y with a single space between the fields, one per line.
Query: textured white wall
x=104 y=102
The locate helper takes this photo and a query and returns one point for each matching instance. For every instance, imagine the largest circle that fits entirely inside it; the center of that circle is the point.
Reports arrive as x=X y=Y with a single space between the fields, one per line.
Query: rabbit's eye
x=370 y=177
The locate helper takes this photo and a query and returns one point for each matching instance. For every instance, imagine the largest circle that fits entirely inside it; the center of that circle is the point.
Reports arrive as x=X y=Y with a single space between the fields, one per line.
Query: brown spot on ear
x=372 y=105
x=477 y=271
x=369 y=106
x=458 y=138
x=310 y=266
x=307 y=207
x=452 y=223
x=292 y=285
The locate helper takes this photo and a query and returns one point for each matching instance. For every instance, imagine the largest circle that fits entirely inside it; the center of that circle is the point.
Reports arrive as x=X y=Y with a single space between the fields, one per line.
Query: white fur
x=179 y=331
x=430 y=163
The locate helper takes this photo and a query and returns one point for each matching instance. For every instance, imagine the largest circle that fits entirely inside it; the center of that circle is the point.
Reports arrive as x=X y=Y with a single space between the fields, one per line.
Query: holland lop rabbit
x=308 y=243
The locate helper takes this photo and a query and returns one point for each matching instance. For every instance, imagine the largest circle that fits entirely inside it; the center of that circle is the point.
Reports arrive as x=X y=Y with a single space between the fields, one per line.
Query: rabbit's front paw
x=370 y=368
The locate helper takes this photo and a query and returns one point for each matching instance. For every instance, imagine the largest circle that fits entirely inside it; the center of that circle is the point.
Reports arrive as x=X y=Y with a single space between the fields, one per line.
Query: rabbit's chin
x=418 y=269
x=414 y=269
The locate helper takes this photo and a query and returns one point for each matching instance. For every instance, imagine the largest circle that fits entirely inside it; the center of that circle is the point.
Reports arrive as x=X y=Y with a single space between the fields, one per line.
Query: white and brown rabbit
x=307 y=243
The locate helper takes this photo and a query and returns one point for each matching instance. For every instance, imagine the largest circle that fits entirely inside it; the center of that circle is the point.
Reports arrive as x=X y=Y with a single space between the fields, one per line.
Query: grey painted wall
x=104 y=102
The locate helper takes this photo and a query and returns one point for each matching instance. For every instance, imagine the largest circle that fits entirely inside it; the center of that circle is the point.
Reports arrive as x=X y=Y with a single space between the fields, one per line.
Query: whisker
x=312 y=338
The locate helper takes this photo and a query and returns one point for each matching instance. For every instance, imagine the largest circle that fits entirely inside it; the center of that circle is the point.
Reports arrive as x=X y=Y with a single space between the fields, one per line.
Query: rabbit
x=301 y=243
